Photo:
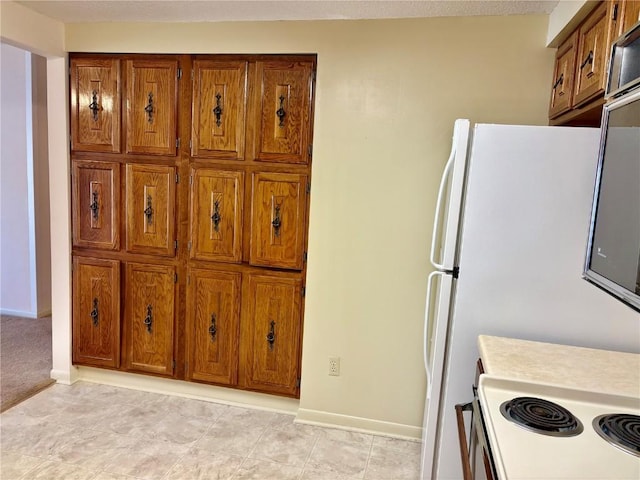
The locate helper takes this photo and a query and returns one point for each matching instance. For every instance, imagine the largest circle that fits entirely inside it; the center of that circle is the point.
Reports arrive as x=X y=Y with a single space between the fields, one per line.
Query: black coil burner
x=541 y=416
x=621 y=430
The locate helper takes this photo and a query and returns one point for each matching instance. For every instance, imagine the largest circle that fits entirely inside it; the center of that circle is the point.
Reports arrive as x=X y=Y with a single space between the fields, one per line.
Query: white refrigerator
x=508 y=250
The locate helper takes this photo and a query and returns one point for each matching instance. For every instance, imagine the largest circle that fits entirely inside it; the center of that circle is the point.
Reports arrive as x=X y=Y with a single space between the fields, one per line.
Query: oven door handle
x=462 y=438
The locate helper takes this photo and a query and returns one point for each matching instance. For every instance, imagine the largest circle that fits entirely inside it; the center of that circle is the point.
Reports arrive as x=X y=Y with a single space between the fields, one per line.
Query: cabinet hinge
x=175 y=278
x=189 y=245
x=298 y=380
x=310 y=150
x=179 y=73
x=313 y=76
x=188 y=279
x=303 y=291
x=177 y=178
x=178 y=142
x=69 y=71
x=308 y=187
x=192 y=74
x=304 y=257
x=614 y=14
x=190 y=179
x=175 y=244
x=173 y=364
x=190 y=144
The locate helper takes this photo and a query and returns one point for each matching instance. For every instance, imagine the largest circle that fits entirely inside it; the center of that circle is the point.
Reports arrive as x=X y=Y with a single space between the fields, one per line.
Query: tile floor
x=96 y=432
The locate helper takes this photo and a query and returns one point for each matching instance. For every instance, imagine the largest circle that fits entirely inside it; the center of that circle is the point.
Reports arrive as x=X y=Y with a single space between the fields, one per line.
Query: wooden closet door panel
x=95 y=105
x=272 y=329
x=96 y=204
x=595 y=38
x=150 y=317
x=151 y=106
x=283 y=105
x=219 y=100
x=278 y=222
x=96 y=312
x=213 y=310
x=216 y=214
x=565 y=66
x=151 y=209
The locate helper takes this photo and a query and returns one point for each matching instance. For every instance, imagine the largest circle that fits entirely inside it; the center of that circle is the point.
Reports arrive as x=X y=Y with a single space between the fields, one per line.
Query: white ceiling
x=240 y=10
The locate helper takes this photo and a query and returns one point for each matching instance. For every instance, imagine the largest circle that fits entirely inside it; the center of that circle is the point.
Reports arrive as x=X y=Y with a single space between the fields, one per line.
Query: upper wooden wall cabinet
x=582 y=64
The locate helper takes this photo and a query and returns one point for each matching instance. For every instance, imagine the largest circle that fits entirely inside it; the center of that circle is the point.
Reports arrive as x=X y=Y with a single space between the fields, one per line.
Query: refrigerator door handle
x=427 y=323
x=439 y=202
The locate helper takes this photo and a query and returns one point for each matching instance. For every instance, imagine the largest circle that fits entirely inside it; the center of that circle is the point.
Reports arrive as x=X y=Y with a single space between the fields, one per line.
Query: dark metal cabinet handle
x=217 y=111
x=277 y=221
x=280 y=113
x=212 y=329
x=94 y=106
x=588 y=60
x=271 y=336
x=559 y=81
x=148 y=320
x=94 y=313
x=148 y=212
x=216 y=217
x=94 y=207
x=149 y=108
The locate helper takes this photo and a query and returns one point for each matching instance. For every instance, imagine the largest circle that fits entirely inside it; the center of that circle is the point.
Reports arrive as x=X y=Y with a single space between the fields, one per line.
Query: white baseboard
x=358 y=424
x=65 y=377
x=197 y=391
x=17 y=313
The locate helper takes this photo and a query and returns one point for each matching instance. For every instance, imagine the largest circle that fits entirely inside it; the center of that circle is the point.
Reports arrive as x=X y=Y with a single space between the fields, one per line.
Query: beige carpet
x=25 y=358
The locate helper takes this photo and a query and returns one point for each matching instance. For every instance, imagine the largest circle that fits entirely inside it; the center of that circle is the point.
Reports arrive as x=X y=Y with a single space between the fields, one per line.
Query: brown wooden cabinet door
x=282 y=104
x=96 y=312
x=151 y=106
x=213 y=311
x=630 y=14
x=150 y=317
x=594 y=42
x=278 y=220
x=95 y=105
x=562 y=88
x=271 y=333
x=96 y=204
x=216 y=214
x=151 y=209
x=219 y=100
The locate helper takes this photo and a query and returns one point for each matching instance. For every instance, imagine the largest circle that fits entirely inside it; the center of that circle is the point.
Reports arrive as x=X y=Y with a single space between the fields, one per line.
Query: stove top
x=577 y=450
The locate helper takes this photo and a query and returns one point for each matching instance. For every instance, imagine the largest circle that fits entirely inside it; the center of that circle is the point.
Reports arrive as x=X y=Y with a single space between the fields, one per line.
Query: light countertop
x=573 y=367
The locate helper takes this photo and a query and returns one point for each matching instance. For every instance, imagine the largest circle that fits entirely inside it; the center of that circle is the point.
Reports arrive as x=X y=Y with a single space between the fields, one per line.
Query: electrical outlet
x=334 y=366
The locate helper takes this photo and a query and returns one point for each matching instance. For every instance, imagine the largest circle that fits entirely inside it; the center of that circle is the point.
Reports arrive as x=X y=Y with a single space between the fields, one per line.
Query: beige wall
x=387 y=94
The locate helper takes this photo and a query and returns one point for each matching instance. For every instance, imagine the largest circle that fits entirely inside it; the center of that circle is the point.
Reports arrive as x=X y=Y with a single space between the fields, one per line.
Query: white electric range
x=520 y=453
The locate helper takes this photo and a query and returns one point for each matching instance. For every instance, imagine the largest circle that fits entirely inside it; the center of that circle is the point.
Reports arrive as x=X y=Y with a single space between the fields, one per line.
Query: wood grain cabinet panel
x=96 y=312
x=150 y=317
x=271 y=334
x=282 y=102
x=151 y=106
x=219 y=101
x=563 y=76
x=594 y=42
x=150 y=194
x=96 y=204
x=278 y=222
x=213 y=311
x=95 y=105
x=216 y=214
x=630 y=10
